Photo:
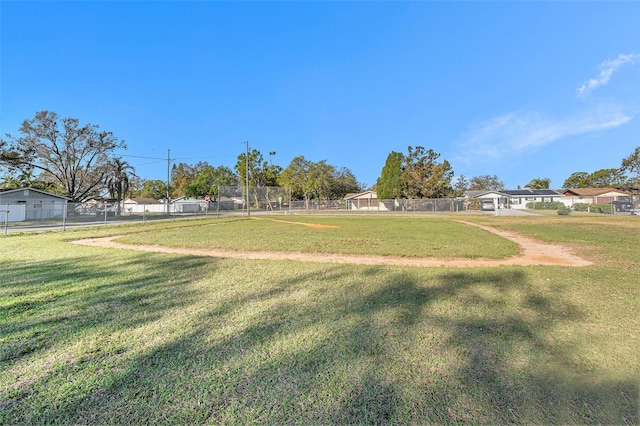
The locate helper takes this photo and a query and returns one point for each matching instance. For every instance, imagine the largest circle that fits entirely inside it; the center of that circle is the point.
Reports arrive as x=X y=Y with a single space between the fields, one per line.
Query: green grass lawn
x=94 y=335
x=408 y=237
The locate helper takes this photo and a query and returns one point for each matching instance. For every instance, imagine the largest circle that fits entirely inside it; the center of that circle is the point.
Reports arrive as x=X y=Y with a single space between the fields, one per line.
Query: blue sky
x=516 y=89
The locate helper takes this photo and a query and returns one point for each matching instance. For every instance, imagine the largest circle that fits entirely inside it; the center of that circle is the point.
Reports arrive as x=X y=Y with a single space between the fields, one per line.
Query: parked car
x=487 y=205
x=622 y=206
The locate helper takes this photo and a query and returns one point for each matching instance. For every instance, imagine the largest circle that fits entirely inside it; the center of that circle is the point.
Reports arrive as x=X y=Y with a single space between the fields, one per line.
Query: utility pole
x=246 y=162
x=168 y=175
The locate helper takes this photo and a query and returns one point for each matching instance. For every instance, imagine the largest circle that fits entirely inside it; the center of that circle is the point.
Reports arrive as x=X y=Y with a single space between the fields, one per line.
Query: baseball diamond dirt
x=532 y=252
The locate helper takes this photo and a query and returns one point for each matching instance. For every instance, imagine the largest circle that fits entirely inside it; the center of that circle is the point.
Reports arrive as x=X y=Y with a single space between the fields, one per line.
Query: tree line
x=62 y=156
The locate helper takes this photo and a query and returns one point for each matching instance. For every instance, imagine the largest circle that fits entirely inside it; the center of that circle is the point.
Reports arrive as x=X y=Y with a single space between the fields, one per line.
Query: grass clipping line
x=532 y=252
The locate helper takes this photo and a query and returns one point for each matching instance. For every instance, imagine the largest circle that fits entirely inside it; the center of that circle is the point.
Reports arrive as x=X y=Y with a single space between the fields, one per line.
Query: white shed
x=367 y=200
x=30 y=204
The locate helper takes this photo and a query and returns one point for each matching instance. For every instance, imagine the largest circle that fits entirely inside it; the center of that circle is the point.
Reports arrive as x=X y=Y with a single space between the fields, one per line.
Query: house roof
x=516 y=193
x=591 y=192
x=483 y=193
x=365 y=195
x=142 y=200
x=472 y=194
x=9 y=191
x=534 y=192
x=185 y=200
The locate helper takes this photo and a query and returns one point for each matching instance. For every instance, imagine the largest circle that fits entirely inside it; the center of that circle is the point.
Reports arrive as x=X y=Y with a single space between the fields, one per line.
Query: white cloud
x=606 y=70
x=516 y=133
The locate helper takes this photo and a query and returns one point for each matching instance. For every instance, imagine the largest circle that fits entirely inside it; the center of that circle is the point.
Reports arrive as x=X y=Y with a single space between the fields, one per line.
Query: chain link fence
x=262 y=198
x=230 y=200
x=33 y=215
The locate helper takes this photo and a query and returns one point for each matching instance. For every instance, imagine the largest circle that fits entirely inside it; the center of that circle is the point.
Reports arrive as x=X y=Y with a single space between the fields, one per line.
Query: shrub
x=592 y=208
x=564 y=211
x=474 y=204
x=601 y=208
x=581 y=207
x=545 y=206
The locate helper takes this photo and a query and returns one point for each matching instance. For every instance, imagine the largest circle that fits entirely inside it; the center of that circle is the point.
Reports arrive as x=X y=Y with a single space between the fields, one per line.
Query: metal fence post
x=64 y=217
x=6 y=218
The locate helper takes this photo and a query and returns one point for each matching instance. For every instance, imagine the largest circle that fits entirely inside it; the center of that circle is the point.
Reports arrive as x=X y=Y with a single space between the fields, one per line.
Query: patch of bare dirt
x=532 y=252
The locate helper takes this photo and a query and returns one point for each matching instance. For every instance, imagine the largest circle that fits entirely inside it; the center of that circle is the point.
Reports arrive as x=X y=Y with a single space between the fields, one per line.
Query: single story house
x=573 y=196
x=513 y=198
x=367 y=200
x=518 y=198
x=17 y=205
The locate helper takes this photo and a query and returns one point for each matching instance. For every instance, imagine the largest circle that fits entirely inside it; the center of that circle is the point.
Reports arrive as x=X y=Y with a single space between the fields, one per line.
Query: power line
x=174 y=159
x=138 y=156
x=153 y=162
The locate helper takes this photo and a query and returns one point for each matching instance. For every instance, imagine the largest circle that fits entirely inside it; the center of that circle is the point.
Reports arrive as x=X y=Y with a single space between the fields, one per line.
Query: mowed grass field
x=97 y=335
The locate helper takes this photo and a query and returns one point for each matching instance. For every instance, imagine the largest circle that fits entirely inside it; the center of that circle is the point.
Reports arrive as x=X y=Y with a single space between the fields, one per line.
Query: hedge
x=592 y=208
x=545 y=206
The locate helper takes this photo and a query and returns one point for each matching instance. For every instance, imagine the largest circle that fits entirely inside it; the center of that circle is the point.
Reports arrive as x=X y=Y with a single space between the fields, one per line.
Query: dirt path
x=532 y=252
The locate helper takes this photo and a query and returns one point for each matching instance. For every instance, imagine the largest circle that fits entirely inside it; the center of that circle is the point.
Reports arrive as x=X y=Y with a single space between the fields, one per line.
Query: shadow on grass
x=340 y=345
x=52 y=302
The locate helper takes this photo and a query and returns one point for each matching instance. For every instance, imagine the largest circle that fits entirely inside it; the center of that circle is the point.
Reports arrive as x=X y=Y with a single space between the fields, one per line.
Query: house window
x=37 y=204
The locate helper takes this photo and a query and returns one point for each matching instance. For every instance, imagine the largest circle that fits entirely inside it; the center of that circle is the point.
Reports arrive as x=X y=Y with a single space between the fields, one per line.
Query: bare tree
x=72 y=156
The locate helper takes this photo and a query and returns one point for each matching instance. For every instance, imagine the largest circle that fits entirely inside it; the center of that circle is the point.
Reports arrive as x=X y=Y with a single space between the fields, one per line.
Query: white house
x=519 y=198
x=17 y=205
x=513 y=198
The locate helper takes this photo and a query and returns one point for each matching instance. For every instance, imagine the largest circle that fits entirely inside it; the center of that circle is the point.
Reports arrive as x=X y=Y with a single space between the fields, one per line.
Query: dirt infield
x=532 y=252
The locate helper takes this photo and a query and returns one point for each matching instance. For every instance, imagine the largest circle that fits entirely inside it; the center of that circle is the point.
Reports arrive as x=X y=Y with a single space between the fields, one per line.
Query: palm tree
x=119 y=174
x=539 y=183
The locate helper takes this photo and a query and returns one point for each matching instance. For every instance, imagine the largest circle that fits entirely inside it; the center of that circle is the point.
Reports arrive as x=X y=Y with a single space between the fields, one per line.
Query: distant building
x=573 y=196
x=367 y=200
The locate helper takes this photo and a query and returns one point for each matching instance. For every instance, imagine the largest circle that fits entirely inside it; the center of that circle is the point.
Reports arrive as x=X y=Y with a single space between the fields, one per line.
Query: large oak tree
x=209 y=179
x=74 y=158
x=317 y=180
x=423 y=176
x=485 y=183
